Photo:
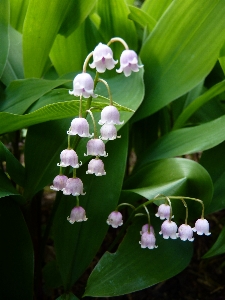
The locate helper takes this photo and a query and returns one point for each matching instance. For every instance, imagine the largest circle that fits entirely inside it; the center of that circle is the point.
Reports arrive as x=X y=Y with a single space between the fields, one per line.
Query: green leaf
x=42 y=23
x=18 y=9
x=198 y=102
x=218 y=247
x=4 y=27
x=16 y=253
x=51 y=275
x=63 y=56
x=132 y=268
x=175 y=56
x=142 y=18
x=114 y=16
x=14 y=66
x=186 y=141
x=69 y=296
x=155 y=8
x=98 y=202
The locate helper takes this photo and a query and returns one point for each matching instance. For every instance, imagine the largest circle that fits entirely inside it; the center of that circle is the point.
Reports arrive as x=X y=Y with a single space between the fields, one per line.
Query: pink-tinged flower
x=115 y=219
x=128 y=63
x=185 y=232
x=80 y=127
x=83 y=85
x=73 y=186
x=103 y=58
x=202 y=227
x=145 y=229
x=108 y=132
x=96 y=167
x=148 y=240
x=96 y=147
x=77 y=215
x=59 y=183
x=69 y=157
x=163 y=211
x=169 y=229
x=110 y=115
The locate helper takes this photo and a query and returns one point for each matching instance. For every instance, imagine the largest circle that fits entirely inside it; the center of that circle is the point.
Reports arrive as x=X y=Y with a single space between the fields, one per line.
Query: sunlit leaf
x=218 y=247
x=4 y=38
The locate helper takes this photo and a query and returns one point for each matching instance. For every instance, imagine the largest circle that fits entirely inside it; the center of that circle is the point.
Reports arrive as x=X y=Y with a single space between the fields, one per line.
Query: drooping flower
x=59 y=183
x=115 y=219
x=103 y=58
x=110 y=115
x=169 y=229
x=145 y=229
x=83 y=85
x=69 y=157
x=163 y=211
x=77 y=214
x=128 y=63
x=202 y=227
x=96 y=147
x=108 y=132
x=185 y=232
x=148 y=240
x=73 y=186
x=96 y=167
x=80 y=127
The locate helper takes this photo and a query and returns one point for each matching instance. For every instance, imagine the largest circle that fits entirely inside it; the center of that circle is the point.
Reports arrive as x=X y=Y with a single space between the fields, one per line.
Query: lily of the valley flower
x=185 y=232
x=110 y=115
x=69 y=157
x=145 y=229
x=59 y=183
x=73 y=186
x=163 y=211
x=169 y=229
x=96 y=167
x=83 y=85
x=77 y=214
x=80 y=127
x=115 y=219
x=108 y=132
x=103 y=58
x=96 y=147
x=148 y=240
x=202 y=227
x=128 y=63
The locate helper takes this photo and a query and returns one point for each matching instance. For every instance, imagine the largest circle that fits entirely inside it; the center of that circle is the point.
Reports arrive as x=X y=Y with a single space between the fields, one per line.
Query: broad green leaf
x=132 y=268
x=51 y=275
x=69 y=296
x=69 y=53
x=16 y=253
x=213 y=161
x=186 y=141
x=175 y=56
x=76 y=14
x=18 y=9
x=155 y=8
x=21 y=94
x=42 y=23
x=115 y=23
x=218 y=247
x=173 y=176
x=13 y=166
x=198 y=102
x=102 y=195
x=4 y=38
x=14 y=66
x=222 y=58
x=142 y=18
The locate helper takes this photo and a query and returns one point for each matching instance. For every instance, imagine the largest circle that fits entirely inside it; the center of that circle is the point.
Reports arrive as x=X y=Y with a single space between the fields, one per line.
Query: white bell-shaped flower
x=108 y=132
x=185 y=232
x=77 y=214
x=115 y=219
x=83 y=85
x=80 y=127
x=128 y=63
x=202 y=227
x=59 y=183
x=169 y=229
x=145 y=229
x=96 y=167
x=96 y=147
x=148 y=240
x=110 y=115
x=69 y=157
x=73 y=186
x=163 y=211
x=103 y=58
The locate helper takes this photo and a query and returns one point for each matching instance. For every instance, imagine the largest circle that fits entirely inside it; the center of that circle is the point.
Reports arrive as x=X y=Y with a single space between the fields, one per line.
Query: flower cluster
x=83 y=86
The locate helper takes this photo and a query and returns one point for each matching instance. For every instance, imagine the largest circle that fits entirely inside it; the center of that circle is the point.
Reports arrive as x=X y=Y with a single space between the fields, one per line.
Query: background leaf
x=4 y=38
x=218 y=247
